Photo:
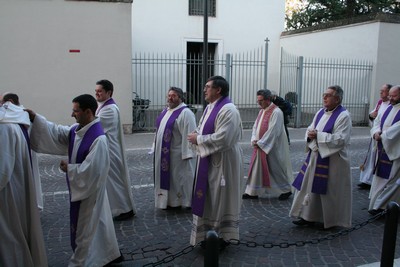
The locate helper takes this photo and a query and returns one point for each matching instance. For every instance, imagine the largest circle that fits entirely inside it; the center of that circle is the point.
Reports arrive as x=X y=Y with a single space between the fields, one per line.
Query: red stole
x=263 y=128
x=378 y=105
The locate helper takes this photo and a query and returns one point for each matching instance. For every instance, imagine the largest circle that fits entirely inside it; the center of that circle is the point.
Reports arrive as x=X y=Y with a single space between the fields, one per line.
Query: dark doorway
x=194 y=70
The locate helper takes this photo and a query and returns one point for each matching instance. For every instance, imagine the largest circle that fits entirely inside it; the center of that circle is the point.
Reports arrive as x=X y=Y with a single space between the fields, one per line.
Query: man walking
x=118 y=182
x=174 y=160
x=367 y=168
x=14 y=99
x=21 y=241
x=323 y=186
x=216 y=197
x=270 y=170
x=386 y=132
x=93 y=238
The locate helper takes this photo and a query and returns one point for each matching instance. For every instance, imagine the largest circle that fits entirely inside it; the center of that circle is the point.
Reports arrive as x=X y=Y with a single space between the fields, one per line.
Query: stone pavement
x=265 y=228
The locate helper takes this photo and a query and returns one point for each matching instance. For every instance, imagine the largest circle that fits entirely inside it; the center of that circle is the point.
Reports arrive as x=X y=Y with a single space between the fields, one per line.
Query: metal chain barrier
x=172 y=257
x=252 y=244
x=343 y=232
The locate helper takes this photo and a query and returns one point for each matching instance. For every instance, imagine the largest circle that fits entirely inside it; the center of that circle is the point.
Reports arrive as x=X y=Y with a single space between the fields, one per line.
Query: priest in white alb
x=14 y=99
x=386 y=131
x=368 y=165
x=118 y=182
x=174 y=160
x=270 y=172
x=21 y=236
x=323 y=186
x=216 y=196
x=92 y=232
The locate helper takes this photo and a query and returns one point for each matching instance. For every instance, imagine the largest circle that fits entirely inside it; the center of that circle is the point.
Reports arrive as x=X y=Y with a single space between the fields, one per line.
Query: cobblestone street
x=155 y=234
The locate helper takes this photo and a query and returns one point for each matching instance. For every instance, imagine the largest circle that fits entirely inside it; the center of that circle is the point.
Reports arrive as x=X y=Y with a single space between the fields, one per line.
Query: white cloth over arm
x=49 y=138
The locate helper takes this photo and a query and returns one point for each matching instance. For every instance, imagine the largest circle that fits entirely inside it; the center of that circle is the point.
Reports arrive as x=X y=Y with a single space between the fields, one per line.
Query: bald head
x=394 y=95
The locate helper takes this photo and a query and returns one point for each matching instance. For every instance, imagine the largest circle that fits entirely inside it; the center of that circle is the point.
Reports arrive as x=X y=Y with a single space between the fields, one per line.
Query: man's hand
x=192 y=138
x=64 y=165
x=377 y=136
x=31 y=113
x=373 y=115
x=254 y=143
x=312 y=134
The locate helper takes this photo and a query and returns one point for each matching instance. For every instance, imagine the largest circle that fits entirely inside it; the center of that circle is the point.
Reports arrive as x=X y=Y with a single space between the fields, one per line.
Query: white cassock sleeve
x=390 y=141
x=86 y=177
x=331 y=143
x=49 y=138
x=376 y=126
x=186 y=124
x=254 y=129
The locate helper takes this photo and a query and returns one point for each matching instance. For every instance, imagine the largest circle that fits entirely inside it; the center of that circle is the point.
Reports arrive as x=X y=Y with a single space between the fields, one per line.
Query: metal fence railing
x=153 y=74
x=303 y=81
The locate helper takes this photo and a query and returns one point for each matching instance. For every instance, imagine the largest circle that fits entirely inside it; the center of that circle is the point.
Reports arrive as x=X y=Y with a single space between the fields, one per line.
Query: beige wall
x=374 y=41
x=35 y=58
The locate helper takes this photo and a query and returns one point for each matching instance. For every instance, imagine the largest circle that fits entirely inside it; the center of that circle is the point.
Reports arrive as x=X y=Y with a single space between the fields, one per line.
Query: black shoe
x=285 y=196
x=302 y=222
x=172 y=208
x=364 y=186
x=247 y=196
x=375 y=212
x=124 y=216
x=117 y=260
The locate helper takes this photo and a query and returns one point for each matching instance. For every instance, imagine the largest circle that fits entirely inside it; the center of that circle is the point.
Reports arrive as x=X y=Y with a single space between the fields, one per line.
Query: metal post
x=228 y=62
x=389 y=235
x=212 y=249
x=205 y=47
x=299 y=85
x=266 y=64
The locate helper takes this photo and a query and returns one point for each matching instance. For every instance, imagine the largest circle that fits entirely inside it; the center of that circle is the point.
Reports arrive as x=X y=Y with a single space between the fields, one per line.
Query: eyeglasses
x=327 y=95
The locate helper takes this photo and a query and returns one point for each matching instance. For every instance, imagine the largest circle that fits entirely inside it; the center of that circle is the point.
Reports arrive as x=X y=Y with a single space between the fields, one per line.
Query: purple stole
x=320 y=182
x=384 y=164
x=110 y=101
x=264 y=163
x=28 y=142
x=92 y=133
x=199 y=194
x=165 y=175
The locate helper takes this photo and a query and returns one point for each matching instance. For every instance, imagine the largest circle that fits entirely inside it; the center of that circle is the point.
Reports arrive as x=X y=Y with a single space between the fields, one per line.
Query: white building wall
x=35 y=58
x=373 y=41
x=161 y=26
x=388 y=56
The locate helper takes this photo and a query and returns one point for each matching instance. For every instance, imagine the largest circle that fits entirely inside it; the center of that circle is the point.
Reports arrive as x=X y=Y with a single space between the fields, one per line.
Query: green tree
x=313 y=12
